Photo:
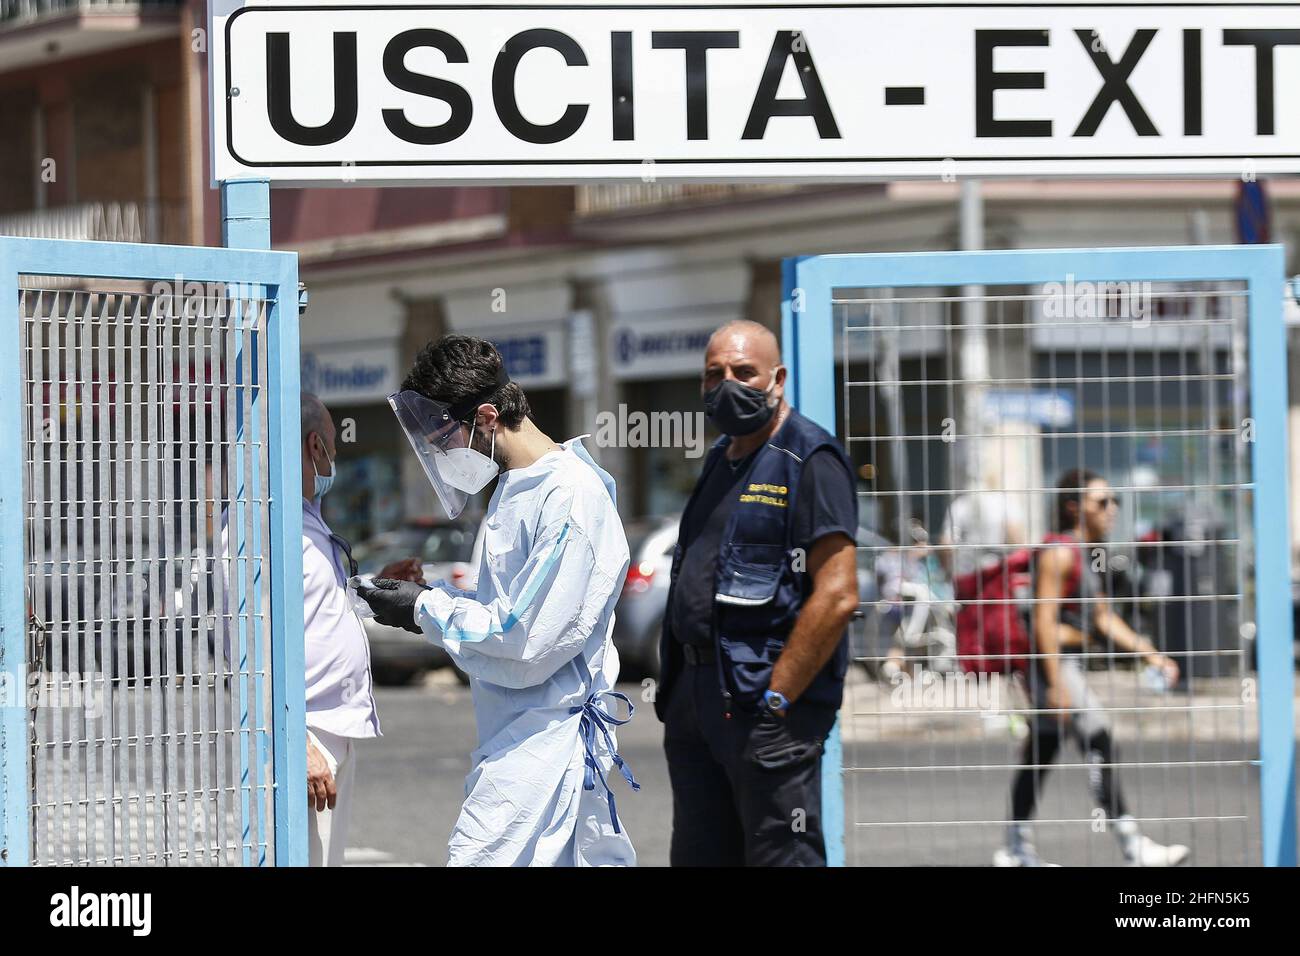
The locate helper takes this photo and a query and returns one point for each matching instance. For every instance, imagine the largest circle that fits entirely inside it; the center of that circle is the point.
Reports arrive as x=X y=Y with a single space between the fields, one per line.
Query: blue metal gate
x=150 y=554
x=966 y=383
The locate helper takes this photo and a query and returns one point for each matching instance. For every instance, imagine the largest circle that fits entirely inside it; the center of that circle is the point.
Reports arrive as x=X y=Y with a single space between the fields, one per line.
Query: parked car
x=448 y=550
x=639 y=614
x=95 y=604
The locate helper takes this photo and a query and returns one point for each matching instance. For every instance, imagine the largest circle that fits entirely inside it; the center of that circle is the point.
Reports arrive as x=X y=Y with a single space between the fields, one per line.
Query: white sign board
x=356 y=91
x=350 y=372
x=534 y=354
x=656 y=346
x=1050 y=408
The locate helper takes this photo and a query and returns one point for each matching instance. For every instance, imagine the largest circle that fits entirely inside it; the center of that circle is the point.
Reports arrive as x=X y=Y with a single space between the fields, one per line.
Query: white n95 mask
x=467 y=470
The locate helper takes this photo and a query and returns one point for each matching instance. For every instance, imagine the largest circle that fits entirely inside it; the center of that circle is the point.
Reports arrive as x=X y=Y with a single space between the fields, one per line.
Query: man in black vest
x=753 y=651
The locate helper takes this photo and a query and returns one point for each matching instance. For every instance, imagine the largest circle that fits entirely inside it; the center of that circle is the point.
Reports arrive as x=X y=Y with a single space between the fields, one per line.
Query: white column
x=38 y=157
x=150 y=218
x=973 y=361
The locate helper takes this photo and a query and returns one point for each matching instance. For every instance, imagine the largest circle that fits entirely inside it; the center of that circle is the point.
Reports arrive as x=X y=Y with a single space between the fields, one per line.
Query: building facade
x=600 y=297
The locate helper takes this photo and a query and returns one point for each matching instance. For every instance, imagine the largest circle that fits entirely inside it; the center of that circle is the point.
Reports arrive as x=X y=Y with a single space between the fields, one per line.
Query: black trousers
x=746 y=790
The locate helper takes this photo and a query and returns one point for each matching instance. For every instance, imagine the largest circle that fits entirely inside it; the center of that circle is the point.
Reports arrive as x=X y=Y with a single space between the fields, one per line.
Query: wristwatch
x=775 y=702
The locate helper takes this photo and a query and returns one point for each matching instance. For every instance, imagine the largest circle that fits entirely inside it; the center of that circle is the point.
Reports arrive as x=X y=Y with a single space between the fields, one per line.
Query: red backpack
x=992 y=622
x=992 y=636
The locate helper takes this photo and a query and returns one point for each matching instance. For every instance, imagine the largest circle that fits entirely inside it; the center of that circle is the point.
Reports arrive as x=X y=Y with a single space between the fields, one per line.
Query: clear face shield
x=439 y=433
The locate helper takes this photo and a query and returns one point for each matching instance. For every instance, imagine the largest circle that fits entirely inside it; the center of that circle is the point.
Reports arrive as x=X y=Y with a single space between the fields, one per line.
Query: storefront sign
x=659 y=347
x=1049 y=408
x=534 y=356
x=345 y=373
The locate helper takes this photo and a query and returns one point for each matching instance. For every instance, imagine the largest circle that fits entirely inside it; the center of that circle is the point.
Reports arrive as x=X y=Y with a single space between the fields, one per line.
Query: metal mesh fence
x=146 y=527
x=964 y=412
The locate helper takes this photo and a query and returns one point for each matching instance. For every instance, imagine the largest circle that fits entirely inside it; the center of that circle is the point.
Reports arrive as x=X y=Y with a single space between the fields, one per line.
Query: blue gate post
x=246 y=214
x=278 y=275
x=246 y=224
x=808 y=341
x=1274 y=640
x=808 y=334
x=14 y=767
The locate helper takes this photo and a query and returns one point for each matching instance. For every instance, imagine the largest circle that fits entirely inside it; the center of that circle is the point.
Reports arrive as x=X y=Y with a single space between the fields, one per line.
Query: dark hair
x=457 y=367
x=1070 y=490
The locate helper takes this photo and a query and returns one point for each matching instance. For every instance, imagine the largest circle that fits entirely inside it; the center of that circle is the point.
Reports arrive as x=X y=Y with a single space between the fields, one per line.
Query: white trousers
x=327 y=830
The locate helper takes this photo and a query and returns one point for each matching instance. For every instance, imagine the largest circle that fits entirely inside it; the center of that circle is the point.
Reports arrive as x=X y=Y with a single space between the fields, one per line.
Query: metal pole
x=246 y=214
x=974 y=355
x=1273 y=635
x=246 y=224
x=15 y=755
x=808 y=352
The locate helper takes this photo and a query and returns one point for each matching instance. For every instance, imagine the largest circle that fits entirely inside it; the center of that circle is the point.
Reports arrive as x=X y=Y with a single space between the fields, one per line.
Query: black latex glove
x=393 y=601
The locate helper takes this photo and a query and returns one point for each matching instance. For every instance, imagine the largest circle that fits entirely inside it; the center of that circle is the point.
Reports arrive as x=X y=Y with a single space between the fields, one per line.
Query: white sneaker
x=1147 y=852
x=1022 y=855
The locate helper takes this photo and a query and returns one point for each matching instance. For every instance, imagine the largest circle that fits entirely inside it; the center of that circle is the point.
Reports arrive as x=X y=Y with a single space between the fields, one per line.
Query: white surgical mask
x=466 y=469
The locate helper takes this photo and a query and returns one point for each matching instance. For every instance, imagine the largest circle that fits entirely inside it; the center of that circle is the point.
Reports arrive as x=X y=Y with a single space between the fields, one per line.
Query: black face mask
x=738 y=409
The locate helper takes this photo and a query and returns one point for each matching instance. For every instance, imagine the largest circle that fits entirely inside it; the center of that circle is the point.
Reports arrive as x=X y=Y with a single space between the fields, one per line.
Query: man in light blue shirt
x=340 y=700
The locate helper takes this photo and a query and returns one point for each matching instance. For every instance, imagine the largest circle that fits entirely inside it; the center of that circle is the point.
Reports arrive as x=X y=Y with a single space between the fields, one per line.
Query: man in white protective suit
x=535 y=634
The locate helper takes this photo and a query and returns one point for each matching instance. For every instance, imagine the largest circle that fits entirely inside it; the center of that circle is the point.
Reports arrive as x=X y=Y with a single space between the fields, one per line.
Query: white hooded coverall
x=535 y=637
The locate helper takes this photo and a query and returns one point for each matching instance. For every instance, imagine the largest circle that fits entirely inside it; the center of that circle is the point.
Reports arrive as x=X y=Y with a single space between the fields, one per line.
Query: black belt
x=697 y=654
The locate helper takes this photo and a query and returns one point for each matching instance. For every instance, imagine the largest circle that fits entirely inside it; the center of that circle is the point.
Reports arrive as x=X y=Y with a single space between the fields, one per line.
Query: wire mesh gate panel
x=150 y=543
x=989 y=400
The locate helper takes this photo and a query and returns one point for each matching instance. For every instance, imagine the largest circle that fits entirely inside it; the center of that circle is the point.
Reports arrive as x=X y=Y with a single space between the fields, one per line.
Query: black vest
x=759 y=582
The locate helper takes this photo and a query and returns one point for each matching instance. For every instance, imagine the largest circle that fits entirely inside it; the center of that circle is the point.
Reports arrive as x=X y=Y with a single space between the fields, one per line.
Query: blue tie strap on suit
x=595 y=718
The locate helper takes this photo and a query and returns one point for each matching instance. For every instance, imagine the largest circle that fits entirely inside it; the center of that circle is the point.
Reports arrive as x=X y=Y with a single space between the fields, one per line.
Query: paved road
x=925 y=783
x=411 y=781
x=410 y=788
